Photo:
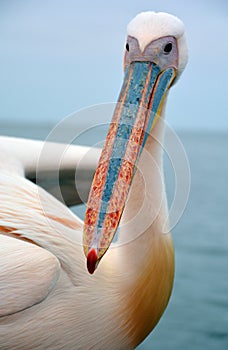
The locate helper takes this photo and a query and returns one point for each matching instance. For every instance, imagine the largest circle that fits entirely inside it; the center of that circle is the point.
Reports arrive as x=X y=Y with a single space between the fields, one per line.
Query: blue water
x=197 y=315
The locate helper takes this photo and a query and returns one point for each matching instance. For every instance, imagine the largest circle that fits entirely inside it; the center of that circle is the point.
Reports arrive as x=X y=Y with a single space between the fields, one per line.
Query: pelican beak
x=142 y=95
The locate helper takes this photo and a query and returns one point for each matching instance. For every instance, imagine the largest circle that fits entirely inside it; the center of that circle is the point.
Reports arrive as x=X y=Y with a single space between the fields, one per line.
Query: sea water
x=197 y=315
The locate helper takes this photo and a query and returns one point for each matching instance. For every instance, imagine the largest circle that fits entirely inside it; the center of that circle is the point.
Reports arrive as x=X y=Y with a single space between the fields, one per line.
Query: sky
x=57 y=57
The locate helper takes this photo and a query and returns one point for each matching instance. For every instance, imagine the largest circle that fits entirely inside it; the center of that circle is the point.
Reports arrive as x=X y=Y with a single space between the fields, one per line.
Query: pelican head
x=155 y=55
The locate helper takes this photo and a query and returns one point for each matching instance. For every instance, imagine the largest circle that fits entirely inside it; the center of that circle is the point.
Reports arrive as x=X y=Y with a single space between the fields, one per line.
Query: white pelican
x=48 y=300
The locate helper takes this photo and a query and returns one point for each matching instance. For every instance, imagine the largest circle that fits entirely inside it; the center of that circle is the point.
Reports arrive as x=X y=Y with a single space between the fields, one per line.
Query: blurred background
x=57 y=57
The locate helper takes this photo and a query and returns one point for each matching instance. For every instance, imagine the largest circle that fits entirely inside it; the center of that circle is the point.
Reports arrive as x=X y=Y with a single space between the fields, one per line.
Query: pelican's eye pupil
x=127 y=47
x=168 y=48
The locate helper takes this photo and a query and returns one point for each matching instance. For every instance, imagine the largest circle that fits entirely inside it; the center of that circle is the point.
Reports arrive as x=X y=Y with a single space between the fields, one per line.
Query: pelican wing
x=27 y=274
x=65 y=171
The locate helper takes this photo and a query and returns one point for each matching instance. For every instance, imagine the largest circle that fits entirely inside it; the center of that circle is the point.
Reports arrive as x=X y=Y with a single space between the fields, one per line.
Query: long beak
x=140 y=101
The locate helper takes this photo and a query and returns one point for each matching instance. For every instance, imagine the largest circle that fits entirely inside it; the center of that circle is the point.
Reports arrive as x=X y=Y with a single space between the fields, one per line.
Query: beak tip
x=92 y=261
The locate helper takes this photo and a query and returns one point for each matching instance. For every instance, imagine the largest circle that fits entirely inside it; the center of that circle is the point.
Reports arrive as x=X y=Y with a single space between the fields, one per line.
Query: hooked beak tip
x=92 y=261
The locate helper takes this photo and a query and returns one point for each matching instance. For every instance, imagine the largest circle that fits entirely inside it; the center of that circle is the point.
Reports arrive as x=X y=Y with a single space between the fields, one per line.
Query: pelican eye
x=127 y=47
x=168 y=48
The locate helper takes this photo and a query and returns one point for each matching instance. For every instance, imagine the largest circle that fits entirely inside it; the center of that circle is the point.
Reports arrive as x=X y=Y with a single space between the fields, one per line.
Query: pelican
x=48 y=299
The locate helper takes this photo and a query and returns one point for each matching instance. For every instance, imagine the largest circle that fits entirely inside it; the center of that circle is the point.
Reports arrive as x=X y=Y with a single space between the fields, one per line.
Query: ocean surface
x=197 y=315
